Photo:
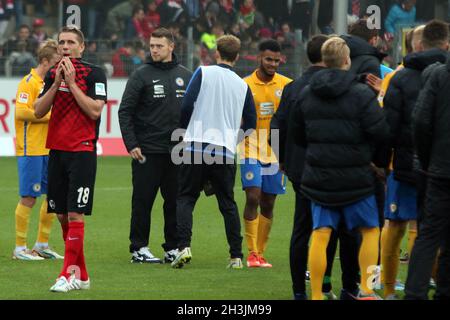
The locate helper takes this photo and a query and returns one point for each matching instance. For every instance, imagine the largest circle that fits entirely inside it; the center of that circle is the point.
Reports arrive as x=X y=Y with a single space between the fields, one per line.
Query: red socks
x=74 y=255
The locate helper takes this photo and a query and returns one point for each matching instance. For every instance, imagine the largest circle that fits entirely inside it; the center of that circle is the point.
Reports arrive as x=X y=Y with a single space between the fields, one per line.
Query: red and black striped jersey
x=70 y=129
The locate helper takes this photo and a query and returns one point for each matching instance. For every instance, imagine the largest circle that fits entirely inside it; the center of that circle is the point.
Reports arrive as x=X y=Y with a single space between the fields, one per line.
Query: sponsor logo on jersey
x=266 y=109
x=279 y=93
x=100 y=89
x=159 y=91
x=23 y=97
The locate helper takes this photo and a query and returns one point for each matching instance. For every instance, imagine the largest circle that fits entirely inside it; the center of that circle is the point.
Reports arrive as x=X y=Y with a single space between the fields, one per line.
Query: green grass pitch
x=108 y=259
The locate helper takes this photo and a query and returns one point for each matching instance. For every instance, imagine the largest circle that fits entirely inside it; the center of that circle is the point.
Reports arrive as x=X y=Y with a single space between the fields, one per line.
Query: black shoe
x=144 y=256
x=300 y=296
x=347 y=295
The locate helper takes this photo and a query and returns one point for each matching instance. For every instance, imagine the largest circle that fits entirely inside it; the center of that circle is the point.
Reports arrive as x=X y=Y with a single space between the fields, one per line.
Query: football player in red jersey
x=75 y=91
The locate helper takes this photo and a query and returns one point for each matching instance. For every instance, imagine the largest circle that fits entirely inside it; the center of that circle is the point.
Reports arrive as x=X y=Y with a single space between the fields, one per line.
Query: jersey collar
x=35 y=75
x=258 y=81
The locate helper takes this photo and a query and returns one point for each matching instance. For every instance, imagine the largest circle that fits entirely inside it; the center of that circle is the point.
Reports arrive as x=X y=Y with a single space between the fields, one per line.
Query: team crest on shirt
x=278 y=93
x=393 y=207
x=52 y=205
x=381 y=96
x=249 y=175
x=179 y=81
x=63 y=87
x=37 y=187
x=23 y=97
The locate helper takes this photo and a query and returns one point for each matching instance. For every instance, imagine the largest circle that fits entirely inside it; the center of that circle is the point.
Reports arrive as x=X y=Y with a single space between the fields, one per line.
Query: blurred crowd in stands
x=117 y=31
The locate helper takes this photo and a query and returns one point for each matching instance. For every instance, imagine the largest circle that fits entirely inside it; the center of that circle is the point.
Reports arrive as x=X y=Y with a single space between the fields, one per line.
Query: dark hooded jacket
x=365 y=58
x=291 y=154
x=431 y=129
x=399 y=103
x=339 y=122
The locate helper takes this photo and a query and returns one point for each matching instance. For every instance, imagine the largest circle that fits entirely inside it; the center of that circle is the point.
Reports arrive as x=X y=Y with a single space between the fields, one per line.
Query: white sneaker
x=144 y=256
x=183 y=257
x=330 y=295
x=169 y=256
x=47 y=253
x=26 y=255
x=61 y=285
x=77 y=284
x=235 y=263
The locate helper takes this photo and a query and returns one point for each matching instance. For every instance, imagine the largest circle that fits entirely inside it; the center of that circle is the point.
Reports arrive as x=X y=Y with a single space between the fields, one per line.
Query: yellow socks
x=368 y=255
x=383 y=244
x=45 y=223
x=391 y=255
x=22 y=220
x=264 y=227
x=318 y=260
x=251 y=234
x=257 y=233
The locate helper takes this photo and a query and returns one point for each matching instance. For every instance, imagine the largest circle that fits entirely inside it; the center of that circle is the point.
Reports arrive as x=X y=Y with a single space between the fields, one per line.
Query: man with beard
x=261 y=178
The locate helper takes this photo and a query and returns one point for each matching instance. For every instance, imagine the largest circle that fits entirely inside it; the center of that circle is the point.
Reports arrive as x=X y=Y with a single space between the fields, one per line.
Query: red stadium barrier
x=110 y=141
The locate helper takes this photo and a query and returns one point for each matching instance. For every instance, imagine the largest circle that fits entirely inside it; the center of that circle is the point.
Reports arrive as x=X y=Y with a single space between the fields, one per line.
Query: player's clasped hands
x=68 y=69
x=59 y=74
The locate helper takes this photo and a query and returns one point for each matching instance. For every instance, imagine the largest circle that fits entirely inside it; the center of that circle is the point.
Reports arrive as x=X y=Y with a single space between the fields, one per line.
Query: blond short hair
x=228 y=47
x=47 y=50
x=416 y=38
x=335 y=52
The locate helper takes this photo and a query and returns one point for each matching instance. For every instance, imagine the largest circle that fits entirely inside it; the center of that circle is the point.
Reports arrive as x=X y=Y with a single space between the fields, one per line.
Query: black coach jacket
x=291 y=154
x=150 y=108
x=431 y=119
x=399 y=103
x=339 y=122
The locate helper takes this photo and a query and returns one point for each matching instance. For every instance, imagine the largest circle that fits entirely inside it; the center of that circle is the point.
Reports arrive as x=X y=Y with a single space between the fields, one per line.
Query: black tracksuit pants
x=157 y=173
x=192 y=177
x=434 y=233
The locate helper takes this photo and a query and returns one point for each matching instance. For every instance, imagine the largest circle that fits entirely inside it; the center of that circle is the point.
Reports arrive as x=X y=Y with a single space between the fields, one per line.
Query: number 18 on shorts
x=71 y=179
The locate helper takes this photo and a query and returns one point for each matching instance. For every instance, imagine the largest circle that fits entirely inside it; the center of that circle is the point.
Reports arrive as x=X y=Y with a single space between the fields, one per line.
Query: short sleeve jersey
x=30 y=137
x=70 y=129
x=267 y=98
